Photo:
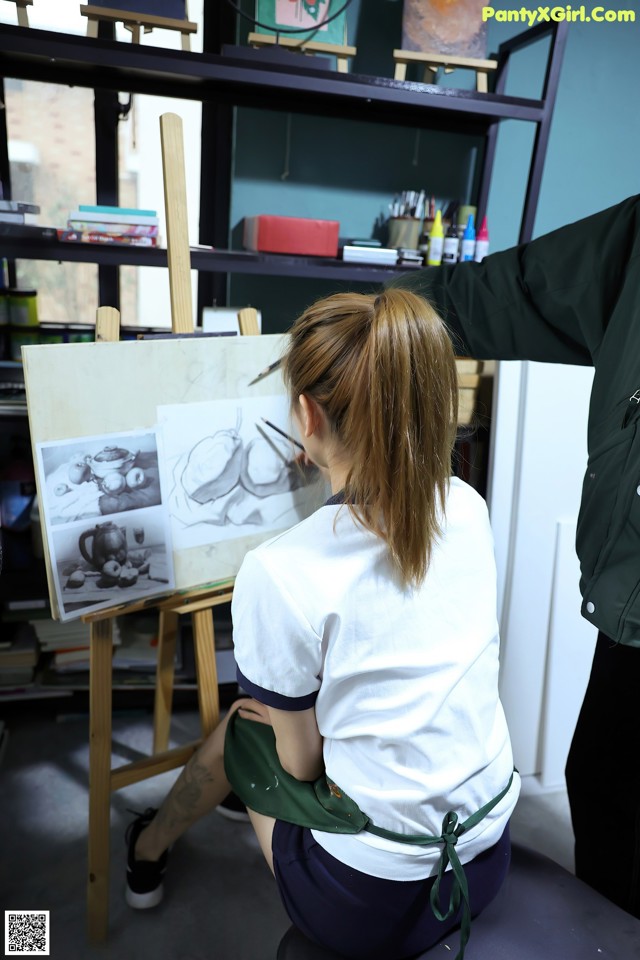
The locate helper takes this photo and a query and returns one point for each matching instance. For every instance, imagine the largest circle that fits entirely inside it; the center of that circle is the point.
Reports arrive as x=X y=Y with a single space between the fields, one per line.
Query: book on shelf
x=55 y=635
x=83 y=236
x=18 y=206
x=16 y=677
x=23 y=651
x=385 y=256
x=145 y=218
x=10 y=216
x=64 y=661
x=114 y=229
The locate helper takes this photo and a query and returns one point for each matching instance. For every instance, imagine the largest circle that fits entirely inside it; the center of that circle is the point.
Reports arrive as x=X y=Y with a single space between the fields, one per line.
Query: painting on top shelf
x=452 y=27
x=175 y=9
x=308 y=15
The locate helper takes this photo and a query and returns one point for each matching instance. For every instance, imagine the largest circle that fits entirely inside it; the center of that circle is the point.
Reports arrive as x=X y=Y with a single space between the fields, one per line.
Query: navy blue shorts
x=367 y=918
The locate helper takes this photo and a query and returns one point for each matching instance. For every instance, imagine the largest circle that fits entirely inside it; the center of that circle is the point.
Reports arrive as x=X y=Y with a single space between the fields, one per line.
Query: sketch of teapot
x=109 y=543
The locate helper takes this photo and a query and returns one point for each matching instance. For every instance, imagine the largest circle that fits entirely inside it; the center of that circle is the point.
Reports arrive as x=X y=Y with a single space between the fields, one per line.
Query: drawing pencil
x=282 y=433
x=266 y=372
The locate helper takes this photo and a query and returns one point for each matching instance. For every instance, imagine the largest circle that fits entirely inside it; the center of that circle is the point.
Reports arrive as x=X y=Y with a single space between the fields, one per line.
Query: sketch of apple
x=110 y=573
x=135 y=478
x=113 y=482
x=79 y=472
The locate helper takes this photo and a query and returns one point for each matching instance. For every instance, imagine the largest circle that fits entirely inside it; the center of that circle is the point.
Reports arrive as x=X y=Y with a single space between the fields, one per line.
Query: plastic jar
x=23 y=308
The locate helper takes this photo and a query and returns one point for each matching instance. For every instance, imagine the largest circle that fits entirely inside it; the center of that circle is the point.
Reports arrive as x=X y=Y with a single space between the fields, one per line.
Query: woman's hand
x=250 y=709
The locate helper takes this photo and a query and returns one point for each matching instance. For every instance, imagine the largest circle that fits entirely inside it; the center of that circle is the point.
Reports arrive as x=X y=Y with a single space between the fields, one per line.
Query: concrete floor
x=220 y=902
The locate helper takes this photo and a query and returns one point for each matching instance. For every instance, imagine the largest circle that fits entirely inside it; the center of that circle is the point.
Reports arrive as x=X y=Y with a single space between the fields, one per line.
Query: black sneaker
x=144 y=877
x=233 y=808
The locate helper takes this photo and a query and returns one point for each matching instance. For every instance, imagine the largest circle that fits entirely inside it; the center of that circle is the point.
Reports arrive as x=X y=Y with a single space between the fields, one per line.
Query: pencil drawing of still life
x=228 y=475
x=113 y=478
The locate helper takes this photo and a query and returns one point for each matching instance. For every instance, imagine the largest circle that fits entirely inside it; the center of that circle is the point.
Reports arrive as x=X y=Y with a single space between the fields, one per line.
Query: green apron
x=254 y=771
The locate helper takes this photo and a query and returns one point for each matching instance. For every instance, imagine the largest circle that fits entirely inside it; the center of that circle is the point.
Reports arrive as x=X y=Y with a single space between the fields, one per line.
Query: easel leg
x=23 y=16
x=401 y=71
x=167 y=636
x=205 y=653
x=100 y=686
x=92 y=27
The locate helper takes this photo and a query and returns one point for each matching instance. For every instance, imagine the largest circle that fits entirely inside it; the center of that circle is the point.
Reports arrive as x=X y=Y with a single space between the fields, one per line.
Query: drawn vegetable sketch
x=227 y=477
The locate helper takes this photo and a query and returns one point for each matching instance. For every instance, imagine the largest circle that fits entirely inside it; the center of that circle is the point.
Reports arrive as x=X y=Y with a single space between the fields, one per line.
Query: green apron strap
x=451 y=831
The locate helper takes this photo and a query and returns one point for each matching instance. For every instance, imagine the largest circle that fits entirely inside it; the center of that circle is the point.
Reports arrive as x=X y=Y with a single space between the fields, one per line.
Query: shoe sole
x=144 y=901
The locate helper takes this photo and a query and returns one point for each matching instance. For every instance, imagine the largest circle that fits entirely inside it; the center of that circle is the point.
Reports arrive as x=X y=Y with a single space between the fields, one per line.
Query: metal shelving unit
x=239 y=77
x=224 y=77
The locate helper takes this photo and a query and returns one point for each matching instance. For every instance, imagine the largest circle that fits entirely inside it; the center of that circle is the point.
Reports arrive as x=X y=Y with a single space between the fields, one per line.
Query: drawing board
x=181 y=413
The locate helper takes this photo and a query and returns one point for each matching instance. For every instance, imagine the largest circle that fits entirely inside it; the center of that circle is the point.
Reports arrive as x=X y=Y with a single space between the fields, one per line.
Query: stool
x=542 y=913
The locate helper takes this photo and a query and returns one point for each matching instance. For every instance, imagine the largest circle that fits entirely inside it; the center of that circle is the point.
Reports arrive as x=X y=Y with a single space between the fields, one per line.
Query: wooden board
x=95 y=389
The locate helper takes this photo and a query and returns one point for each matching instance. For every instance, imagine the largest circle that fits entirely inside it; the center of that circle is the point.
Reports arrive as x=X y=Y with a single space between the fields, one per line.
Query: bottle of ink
x=436 y=242
x=482 y=242
x=451 y=245
x=468 y=245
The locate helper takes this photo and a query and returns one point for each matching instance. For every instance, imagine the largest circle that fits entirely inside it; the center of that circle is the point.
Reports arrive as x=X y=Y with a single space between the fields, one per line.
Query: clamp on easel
x=134 y=22
x=432 y=61
x=197 y=602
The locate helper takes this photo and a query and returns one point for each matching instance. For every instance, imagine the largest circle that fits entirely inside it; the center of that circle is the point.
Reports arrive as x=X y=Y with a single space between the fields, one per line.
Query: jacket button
x=591 y=607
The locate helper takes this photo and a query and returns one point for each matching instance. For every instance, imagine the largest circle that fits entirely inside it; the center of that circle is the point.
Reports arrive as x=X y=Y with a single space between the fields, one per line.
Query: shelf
x=250 y=81
x=39 y=244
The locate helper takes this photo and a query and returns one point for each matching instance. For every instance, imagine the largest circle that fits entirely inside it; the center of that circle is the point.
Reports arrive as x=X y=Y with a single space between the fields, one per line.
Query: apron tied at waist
x=452 y=829
x=254 y=771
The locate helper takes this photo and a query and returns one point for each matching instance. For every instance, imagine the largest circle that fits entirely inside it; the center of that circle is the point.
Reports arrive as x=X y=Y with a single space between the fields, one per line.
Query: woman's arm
x=298 y=740
x=549 y=299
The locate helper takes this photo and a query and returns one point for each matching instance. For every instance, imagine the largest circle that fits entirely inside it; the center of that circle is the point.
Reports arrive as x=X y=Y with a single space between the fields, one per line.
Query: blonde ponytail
x=383 y=369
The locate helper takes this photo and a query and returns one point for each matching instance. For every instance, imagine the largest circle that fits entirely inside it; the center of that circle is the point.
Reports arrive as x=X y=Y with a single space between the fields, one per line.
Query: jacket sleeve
x=549 y=299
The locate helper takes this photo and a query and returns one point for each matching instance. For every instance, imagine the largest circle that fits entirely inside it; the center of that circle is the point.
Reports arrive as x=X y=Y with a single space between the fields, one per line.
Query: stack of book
x=18 y=657
x=139 y=648
x=18 y=212
x=68 y=644
x=99 y=224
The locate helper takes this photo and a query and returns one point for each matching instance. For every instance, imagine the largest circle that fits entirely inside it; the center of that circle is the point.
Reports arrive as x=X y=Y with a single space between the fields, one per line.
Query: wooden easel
x=340 y=51
x=134 y=22
x=432 y=61
x=198 y=603
x=23 y=15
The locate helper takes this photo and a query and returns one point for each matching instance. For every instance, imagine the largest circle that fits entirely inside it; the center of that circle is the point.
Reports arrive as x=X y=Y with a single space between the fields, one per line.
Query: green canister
x=23 y=308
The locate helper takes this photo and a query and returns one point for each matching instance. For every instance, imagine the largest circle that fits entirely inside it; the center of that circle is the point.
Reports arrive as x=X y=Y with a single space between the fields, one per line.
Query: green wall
x=349 y=171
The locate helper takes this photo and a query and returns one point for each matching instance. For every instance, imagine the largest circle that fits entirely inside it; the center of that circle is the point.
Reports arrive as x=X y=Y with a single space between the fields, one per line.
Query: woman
x=367 y=638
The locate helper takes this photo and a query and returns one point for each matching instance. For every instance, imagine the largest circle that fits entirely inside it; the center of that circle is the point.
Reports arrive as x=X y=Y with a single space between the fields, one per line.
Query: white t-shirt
x=404 y=681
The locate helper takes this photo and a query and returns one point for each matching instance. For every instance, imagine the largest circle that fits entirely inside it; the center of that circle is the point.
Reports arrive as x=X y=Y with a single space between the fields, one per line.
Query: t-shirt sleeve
x=278 y=654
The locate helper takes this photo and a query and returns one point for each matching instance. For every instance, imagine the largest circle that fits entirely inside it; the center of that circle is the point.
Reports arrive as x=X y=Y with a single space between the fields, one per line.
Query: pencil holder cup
x=404 y=232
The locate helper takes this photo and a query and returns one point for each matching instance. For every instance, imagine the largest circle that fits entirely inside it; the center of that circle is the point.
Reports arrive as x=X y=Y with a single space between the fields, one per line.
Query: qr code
x=26 y=933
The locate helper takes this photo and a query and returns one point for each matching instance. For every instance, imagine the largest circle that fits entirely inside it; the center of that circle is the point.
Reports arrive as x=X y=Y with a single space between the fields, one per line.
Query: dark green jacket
x=573 y=296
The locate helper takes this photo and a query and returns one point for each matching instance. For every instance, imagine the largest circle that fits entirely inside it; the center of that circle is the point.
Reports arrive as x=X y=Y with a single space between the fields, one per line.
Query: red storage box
x=307 y=238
